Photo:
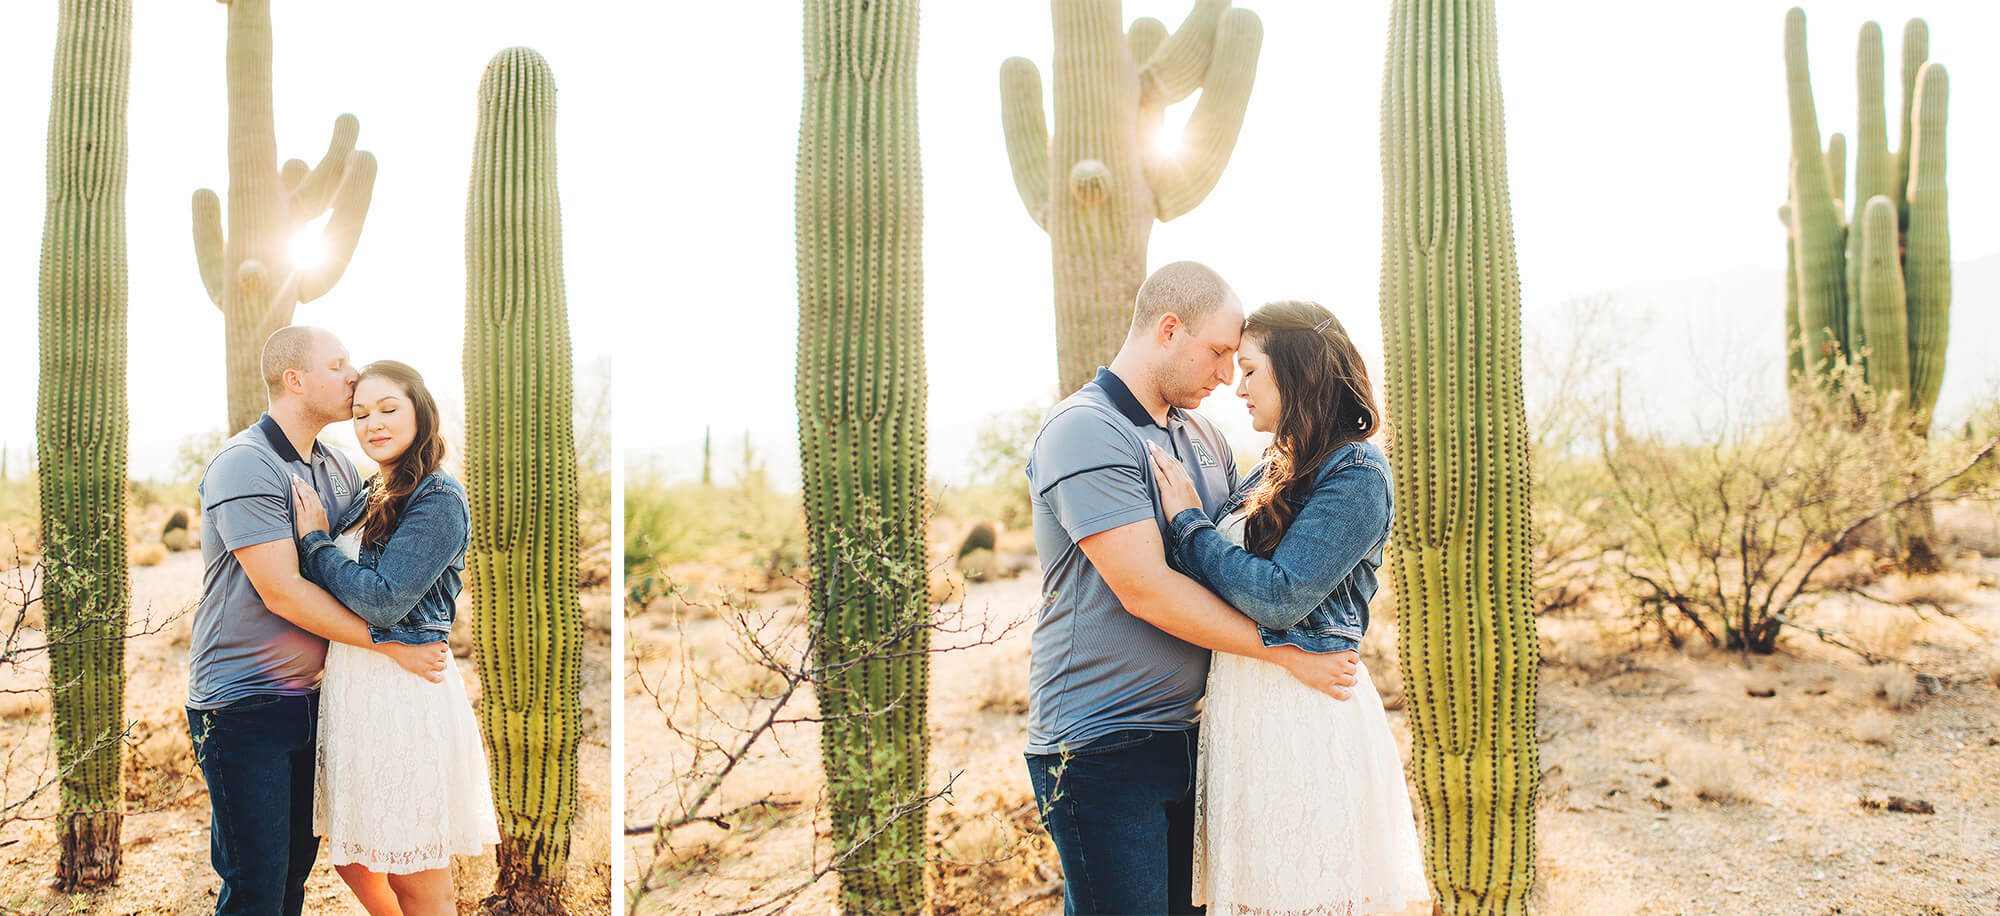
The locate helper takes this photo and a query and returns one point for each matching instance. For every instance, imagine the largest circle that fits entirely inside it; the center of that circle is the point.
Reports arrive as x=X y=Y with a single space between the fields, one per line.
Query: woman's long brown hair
x=1325 y=402
x=395 y=482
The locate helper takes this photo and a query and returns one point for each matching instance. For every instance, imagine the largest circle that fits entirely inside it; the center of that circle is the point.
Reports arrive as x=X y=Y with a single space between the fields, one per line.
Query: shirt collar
x=1121 y=397
x=280 y=443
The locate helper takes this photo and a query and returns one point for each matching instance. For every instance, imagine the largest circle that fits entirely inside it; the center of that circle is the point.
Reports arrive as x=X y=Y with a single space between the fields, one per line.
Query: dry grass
x=1710 y=772
x=1896 y=684
x=1670 y=788
x=166 y=855
x=147 y=553
x=1874 y=728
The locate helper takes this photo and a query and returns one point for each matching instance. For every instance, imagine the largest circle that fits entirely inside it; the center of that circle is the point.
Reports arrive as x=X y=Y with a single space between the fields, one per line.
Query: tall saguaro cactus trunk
x=1109 y=181
x=251 y=275
x=861 y=437
x=80 y=425
x=1451 y=323
x=1841 y=299
x=520 y=476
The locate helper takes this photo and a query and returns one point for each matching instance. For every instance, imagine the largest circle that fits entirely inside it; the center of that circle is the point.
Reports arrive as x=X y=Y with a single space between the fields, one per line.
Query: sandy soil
x=1669 y=787
x=166 y=868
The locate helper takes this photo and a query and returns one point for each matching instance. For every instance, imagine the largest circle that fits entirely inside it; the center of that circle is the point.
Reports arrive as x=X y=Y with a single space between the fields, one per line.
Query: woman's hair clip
x=1322 y=326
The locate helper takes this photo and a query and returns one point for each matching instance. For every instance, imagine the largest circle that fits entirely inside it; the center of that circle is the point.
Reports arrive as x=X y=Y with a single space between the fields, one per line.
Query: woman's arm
x=430 y=535
x=1339 y=526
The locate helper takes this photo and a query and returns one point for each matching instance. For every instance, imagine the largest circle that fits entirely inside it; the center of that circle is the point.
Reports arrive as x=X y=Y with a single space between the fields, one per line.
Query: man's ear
x=1164 y=330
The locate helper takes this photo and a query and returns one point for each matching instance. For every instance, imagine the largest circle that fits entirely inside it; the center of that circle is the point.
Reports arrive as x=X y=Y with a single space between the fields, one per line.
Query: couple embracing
x=1171 y=578
x=323 y=700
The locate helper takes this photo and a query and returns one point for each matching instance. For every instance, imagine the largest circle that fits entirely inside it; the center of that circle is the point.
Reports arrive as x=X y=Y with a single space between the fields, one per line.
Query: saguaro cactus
x=1110 y=181
x=520 y=476
x=1828 y=313
x=1896 y=328
x=80 y=428
x=1451 y=327
x=861 y=437
x=252 y=275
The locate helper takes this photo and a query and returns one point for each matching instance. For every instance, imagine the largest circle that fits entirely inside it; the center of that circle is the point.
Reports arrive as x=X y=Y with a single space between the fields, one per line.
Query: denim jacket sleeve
x=1341 y=523
x=428 y=538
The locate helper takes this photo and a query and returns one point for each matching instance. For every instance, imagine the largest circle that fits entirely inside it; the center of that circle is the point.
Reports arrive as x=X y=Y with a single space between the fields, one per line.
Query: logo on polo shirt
x=1202 y=455
x=339 y=484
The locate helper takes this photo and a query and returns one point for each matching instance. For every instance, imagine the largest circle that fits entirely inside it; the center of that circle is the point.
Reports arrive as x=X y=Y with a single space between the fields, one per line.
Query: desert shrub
x=591 y=420
x=20 y=518
x=1569 y=388
x=997 y=487
x=1727 y=539
x=668 y=523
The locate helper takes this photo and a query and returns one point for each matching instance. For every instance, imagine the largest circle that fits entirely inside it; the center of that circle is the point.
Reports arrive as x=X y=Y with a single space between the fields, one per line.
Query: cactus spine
x=520 y=477
x=861 y=437
x=80 y=428
x=1841 y=320
x=251 y=275
x=1109 y=184
x=1451 y=320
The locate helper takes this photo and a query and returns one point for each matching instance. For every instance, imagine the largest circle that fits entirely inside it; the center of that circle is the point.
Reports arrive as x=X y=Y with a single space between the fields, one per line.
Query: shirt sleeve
x=244 y=500
x=1088 y=475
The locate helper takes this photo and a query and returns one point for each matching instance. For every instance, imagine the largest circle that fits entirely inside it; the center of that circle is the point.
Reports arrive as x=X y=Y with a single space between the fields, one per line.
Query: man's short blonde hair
x=287 y=348
x=1188 y=289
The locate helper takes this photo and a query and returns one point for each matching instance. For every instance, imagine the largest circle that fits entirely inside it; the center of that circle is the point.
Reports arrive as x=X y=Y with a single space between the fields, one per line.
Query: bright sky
x=410 y=71
x=1646 y=150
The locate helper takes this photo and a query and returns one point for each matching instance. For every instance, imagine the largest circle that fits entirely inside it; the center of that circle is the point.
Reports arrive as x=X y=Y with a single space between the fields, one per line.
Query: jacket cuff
x=1186 y=522
x=313 y=541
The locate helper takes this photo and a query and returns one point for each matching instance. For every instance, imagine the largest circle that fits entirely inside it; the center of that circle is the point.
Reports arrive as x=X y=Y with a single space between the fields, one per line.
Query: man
x=1121 y=651
x=260 y=631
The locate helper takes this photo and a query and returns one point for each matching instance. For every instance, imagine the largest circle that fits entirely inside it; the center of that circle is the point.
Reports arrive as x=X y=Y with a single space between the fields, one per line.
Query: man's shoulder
x=1081 y=429
x=244 y=462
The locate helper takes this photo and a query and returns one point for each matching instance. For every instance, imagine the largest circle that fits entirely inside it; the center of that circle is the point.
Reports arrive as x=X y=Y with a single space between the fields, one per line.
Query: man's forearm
x=310 y=608
x=1181 y=606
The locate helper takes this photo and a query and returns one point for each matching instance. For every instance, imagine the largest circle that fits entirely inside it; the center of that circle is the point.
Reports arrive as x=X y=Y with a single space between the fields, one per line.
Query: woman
x=1300 y=804
x=401 y=783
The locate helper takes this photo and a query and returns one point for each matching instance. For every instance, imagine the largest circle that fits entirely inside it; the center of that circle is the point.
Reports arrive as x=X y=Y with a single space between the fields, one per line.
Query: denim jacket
x=407 y=587
x=1313 y=591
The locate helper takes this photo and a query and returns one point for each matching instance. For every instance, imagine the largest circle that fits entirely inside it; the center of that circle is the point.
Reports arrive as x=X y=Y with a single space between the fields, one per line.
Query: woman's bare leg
x=425 y=893
x=371 y=888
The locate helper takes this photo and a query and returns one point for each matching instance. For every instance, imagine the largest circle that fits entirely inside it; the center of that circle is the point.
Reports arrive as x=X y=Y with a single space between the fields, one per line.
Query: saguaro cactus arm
x=1177 y=66
x=1144 y=37
x=1822 y=275
x=1927 y=252
x=1026 y=125
x=208 y=242
x=1884 y=315
x=343 y=229
x=1180 y=182
x=311 y=196
x=1916 y=50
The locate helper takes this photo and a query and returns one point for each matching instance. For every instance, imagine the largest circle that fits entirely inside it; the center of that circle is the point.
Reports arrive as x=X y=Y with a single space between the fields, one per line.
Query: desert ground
x=1674 y=781
x=166 y=866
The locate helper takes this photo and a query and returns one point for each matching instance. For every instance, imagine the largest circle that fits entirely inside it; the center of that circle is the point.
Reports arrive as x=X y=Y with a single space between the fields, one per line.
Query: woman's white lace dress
x=401 y=783
x=1300 y=805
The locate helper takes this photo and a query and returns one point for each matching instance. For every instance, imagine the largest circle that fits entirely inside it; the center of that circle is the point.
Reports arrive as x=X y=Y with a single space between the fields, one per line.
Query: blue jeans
x=1121 y=812
x=257 y=756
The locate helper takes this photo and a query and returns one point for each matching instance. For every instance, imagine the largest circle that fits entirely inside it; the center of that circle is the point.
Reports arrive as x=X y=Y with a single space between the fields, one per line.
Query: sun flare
x=308 y=248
